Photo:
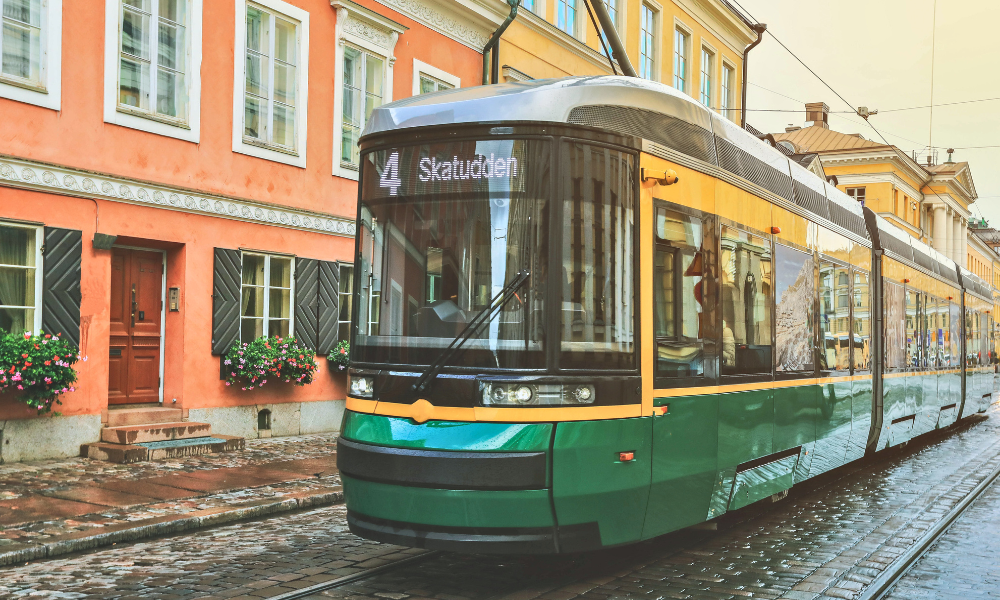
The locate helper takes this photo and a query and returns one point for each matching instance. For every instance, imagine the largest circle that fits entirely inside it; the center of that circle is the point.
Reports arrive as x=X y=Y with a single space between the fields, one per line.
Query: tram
x=589 y=311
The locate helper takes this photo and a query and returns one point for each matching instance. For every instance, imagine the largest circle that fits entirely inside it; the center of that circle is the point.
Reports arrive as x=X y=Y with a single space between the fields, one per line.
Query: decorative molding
x=375 y=35
x=429 y=14
x=30 y=175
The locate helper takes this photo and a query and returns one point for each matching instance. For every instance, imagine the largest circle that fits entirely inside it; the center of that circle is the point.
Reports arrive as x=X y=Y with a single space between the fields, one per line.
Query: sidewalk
x=54 y=507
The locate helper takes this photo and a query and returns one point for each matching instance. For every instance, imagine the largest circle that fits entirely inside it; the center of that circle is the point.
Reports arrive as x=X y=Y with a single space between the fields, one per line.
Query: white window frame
x=657 y=11
x=381 y=43
x=340 y=300
x=580 y=19
x=267 y=288
x=713 y=69
x=688 y=43
x=727 y=90
x=48 y=92
x=296 y=158
x=187 y=129
x=39 y=270
x=422 y=68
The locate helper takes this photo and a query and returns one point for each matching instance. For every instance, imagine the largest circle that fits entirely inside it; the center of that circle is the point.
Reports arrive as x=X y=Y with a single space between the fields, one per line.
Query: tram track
x=346 y=579
x=883 y=585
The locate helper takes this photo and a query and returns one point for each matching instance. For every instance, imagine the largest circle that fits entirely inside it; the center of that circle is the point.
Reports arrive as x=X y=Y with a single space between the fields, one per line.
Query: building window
x=566 y=16
x=726 y=100
x=21 y=41
x=528 y=4
x=269 y=107
x=20 y=278
x=267 y=295
x=858 y=193
x=681 y=39
x=346 y=302
x=707 y=68
x=364 y=77
x=153 y=58
x=647 y=43
x=30 y=51
x=612 y=6
x=270 y=84
x=428 y=79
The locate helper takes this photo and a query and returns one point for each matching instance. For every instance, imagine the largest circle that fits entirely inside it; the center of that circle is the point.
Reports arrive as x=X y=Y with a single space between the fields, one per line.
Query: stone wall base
x=292 y=418
x=47 y=437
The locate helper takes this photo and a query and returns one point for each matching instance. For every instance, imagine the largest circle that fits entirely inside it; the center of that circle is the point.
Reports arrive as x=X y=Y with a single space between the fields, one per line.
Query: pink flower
x=20 y=387
x=227 y=383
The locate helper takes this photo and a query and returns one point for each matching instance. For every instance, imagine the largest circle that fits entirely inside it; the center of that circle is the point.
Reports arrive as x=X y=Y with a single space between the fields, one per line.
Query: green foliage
x=341 y=355
x=37 y=367
x=251 y=364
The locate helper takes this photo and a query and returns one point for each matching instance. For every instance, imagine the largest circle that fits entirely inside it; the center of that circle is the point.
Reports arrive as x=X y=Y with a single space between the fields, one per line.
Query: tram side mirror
x=668 y=177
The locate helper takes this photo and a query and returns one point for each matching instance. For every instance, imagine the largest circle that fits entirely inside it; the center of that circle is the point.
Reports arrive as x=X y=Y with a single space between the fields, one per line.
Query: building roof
x=820 y=139
x=947 y=167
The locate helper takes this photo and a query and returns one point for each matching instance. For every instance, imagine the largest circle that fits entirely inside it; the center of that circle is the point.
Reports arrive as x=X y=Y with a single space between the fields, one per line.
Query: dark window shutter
x=226 y=299
x=306 y=301
x=329 y=306
x=62 y=267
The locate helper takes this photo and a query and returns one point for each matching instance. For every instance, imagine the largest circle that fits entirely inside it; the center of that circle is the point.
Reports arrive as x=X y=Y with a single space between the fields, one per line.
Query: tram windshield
x=444 y=227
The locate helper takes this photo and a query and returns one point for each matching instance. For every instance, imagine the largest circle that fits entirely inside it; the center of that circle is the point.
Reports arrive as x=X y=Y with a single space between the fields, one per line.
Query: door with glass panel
x=136 y=307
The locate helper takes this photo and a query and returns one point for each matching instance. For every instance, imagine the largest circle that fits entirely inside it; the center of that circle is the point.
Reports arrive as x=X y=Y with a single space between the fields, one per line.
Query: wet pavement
x=826 y=540
x=50 y=501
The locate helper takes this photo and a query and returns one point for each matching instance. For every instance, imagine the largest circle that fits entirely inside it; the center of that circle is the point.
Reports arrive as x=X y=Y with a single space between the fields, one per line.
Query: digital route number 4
x=390 y=175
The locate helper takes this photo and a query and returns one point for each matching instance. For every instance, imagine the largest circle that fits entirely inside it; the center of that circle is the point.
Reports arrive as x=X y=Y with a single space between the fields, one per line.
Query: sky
x=877 y=53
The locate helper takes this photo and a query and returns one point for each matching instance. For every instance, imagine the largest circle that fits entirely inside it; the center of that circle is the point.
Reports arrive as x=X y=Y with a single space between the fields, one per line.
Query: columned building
x=929 y=200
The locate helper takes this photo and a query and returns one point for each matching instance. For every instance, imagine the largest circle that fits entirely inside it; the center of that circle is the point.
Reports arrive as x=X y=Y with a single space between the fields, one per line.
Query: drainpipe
x=760 y=28
x=491 y=72
x=617 y=49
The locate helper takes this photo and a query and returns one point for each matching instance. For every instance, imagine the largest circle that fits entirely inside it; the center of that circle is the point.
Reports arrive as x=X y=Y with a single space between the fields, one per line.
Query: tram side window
x=834 y=318
x=896 y=326
x=795 y=279
x=746 y=289
x=862 y=345
x=683 y=302
x=930 y=328
x=954 y=343
x=597 y=257
x=912 y=328
x=971 y=338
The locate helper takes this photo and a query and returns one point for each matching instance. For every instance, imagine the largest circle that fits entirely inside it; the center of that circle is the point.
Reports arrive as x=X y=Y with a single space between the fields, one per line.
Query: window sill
x=271 y=147
x=24 y=84
x=350 y=166
x=127 y=110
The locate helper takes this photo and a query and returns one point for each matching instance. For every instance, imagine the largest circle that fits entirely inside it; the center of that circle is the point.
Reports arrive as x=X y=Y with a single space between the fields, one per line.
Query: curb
x=131 y=532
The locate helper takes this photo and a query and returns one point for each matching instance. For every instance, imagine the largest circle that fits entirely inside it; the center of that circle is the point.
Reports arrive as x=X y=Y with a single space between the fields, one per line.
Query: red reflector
x=626 y=456
x=776 y=230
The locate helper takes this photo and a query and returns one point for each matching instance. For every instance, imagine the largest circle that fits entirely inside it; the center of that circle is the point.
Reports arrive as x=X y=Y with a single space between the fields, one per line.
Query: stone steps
x=137 y=434
x=155 y=432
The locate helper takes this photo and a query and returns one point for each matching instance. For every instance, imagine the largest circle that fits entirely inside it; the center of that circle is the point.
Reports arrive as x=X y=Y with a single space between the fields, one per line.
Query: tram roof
x=662 y=115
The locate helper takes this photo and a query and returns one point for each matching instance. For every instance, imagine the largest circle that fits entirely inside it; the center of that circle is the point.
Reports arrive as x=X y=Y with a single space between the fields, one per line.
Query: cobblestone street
x=827 y=540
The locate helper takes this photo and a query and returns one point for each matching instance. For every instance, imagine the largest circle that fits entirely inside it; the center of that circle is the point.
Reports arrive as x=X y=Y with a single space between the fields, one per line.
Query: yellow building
x=932 y=201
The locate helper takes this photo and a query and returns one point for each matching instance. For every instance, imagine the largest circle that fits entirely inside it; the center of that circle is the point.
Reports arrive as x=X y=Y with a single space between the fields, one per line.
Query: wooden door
x=136 y=307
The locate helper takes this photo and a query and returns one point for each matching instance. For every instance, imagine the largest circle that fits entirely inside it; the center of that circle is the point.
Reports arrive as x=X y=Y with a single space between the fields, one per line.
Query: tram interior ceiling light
x=362 y=387
x=537 y=394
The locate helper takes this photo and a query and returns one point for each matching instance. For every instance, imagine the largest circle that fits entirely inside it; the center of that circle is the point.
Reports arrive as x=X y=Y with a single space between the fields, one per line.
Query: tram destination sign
x=461 y=167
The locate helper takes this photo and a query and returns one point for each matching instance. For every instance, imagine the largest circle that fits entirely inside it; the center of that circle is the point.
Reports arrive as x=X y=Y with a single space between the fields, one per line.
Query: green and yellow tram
x=590 y=311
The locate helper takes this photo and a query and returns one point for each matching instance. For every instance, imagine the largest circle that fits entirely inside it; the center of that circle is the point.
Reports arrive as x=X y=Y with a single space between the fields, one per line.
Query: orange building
x=187 y=180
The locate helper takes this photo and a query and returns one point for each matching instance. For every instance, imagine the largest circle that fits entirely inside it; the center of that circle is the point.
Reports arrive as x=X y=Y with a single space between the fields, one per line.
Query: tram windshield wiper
x=485 y=316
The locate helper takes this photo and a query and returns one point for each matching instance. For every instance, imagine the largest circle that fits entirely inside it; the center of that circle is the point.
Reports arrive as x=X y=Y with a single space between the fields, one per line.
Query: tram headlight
x=515 y=394
x=362 y=387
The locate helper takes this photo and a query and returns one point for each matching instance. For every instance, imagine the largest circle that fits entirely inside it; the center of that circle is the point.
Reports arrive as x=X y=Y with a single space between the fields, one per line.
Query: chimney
x=817 y=113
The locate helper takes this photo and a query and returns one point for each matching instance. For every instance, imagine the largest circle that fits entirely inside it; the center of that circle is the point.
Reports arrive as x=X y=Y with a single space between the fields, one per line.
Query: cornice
x=31 y=175
x=447 y=18
x=711 y=12
x=915 y=171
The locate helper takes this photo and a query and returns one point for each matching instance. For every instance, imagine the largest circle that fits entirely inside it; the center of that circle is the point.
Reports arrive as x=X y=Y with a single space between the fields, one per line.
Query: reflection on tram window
x=862 y=343
x=834 y=321
x=683 y=303
x=895 y=326
x=435 y=251
x=796 y=291
x=746 y=290
x=954 y=339
x=913 y=310
x=935 y=332
x=597 y=231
